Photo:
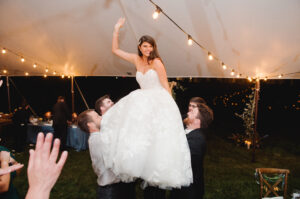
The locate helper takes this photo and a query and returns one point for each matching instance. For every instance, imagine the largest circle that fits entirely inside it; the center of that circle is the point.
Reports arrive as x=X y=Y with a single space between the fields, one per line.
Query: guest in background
x=20 y=121
x=103 y=104
x=7 y=189
x=199 y=118
x=74 y=118
x=47 y=116
x=61 y=115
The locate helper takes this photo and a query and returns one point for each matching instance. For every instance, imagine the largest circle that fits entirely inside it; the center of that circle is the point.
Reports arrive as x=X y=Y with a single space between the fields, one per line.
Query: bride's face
x=146 y=48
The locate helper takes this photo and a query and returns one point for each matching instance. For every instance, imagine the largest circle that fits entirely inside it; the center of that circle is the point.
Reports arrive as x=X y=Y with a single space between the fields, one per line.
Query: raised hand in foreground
x=43 y=171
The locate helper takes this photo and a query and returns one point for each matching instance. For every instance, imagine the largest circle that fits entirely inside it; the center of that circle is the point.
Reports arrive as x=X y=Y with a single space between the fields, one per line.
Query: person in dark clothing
x=20 y=120
x=198 y=120
x=61 y=115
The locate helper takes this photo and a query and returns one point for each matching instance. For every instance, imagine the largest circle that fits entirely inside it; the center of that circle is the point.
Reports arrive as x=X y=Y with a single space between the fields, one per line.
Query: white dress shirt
x=105 y=176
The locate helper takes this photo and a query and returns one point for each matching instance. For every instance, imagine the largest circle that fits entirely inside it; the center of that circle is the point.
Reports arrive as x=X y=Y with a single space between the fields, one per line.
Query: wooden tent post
x=72 y=92
x=8 y=94
x=254 y=137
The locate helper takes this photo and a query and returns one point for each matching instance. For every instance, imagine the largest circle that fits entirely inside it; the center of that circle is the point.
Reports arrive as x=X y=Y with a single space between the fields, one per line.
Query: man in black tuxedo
x=197 y=122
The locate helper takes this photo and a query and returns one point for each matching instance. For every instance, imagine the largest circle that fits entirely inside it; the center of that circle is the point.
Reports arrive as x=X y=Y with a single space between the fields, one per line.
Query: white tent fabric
x=73 y=37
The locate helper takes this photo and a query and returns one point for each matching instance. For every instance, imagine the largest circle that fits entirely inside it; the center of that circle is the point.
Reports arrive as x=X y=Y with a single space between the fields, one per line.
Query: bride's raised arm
x=131 y=57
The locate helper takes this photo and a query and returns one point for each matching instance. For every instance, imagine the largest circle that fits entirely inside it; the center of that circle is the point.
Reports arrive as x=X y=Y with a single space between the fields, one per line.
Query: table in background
x=76 y=138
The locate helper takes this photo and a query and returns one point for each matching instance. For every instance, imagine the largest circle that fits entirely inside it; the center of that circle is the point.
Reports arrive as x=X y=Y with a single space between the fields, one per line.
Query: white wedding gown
x=143 y=137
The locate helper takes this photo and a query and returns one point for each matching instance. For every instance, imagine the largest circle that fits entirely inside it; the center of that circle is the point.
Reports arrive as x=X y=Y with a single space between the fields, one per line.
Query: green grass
x=229 y=172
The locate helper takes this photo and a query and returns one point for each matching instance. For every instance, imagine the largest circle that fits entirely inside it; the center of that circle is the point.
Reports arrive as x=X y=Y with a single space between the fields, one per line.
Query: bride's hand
x=120 y=23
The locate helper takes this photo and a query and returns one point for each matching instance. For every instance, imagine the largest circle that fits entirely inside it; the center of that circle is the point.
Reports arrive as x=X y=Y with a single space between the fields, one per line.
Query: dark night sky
x=277 y=97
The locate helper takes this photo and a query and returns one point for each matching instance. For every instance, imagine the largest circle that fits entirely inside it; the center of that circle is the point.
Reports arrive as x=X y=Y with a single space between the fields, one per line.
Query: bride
x=142 y=134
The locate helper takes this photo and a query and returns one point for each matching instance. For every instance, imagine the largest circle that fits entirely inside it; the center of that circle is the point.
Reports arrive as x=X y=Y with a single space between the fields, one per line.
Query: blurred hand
x=10 y=169
x=43 y=171
x=120 y=23
x=5 y=156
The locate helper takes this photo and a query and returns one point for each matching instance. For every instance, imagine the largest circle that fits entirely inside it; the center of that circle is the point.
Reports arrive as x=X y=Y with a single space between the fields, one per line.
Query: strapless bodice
x=148 y=80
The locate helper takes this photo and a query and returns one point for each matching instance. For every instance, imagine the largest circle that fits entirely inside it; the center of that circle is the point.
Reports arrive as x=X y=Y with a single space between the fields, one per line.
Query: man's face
x=106 y=104
x=193 y=111
x=96 y=119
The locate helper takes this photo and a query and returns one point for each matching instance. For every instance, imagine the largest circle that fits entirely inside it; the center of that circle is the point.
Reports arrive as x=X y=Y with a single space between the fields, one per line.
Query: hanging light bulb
x=224 y=66
x=22 y=59
x=156 y=13
x=210 y=57
x=232 y=72
x=250 y=79
x=46 y=70
x=257 y=79
x=190 y=40
x=4 y=71
x=54 y=73
x=266 y=78
x=45 y=75
x=62 y=76
x=34 y=65
x=238 y=76
x=26 y=73
x=280 y=76
x=69 y=76
x=3 y=51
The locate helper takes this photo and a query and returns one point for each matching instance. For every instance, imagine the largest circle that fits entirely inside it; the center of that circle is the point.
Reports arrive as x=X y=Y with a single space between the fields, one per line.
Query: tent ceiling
x=253 y=37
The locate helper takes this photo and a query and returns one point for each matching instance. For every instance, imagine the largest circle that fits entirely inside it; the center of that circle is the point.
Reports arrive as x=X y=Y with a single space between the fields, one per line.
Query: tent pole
x=254 y=137
x=8 y=94
x=72 y=92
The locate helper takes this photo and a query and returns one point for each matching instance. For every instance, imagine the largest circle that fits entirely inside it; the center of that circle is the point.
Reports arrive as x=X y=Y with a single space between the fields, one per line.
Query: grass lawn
x=229 y=172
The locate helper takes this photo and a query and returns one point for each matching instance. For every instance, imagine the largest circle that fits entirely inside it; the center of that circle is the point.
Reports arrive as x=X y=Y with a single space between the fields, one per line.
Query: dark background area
x=279 y=104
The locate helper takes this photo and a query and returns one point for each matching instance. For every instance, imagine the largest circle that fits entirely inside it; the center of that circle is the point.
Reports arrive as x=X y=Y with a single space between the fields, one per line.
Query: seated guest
x=199 y=118
x=7 y=190
x=74 y=118
x=43 y=171
x=109 y=186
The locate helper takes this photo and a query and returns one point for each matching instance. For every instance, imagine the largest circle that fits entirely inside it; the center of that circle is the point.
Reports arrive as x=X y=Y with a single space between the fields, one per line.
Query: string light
x=190 y=40
x=62 y=76
x=46 y=70
x=69 y=76
x=266 y=78
x=4 y=71
x=26 y=73
x=250 y=79
x=34 y=65
x=54 y=73
x=156 y=12
x=238 y=75
x=224 y=66
x=210 y=57
x=3 y=50
x=22 y=59
x=45 y=75
x=280 y=76
x=232 y=72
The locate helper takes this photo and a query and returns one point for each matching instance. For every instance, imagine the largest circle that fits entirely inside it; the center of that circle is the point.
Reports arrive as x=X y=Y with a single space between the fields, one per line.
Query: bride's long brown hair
x=154 y=54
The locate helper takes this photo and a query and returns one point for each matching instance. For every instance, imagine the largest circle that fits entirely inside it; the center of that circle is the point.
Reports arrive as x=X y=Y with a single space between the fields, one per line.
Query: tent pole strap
x=87 y=106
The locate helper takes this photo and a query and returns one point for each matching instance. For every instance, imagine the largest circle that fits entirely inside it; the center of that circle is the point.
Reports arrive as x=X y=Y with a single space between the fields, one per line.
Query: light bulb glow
x=280 y=76
x=46 y=70
x=34 y=65
x=3 y=51
x=22 y=59
x=156 y=13
x=26 y=73
x=224 y=66
x=250 y=79
x=190 y=40
x=238 y=75
x=232 y=72
x=54 y=73
x=45 y=75
x=62 y=76
x=210 y=57
x=266 y=78
x=5 y=71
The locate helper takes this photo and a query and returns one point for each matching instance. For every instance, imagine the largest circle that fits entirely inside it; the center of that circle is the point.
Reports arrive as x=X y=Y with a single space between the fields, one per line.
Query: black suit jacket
x=197 y=144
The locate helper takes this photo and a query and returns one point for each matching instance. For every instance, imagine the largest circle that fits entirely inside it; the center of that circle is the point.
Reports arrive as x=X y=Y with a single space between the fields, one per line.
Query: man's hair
x=99 y=103
x=198 y=100
x=84 y=119
x=205 y=115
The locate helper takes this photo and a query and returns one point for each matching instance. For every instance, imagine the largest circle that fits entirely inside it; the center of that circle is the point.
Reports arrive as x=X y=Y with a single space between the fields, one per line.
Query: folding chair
x=270 y=180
